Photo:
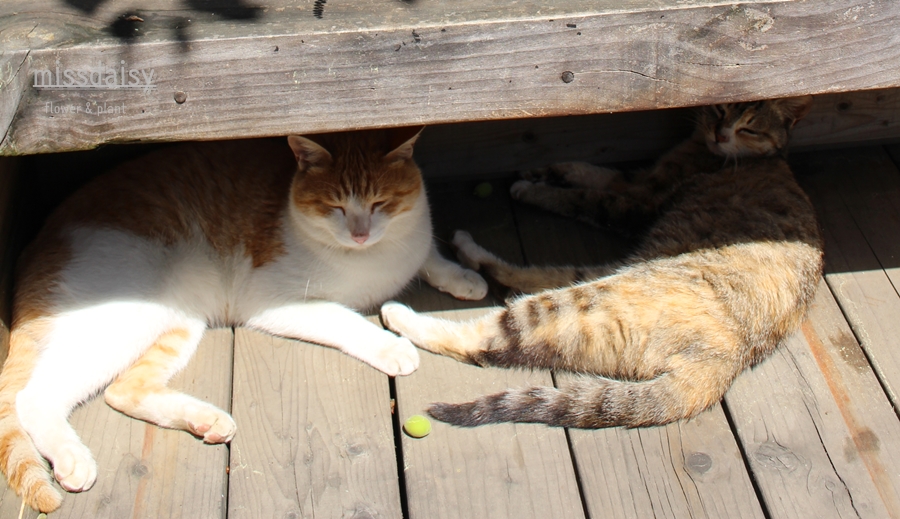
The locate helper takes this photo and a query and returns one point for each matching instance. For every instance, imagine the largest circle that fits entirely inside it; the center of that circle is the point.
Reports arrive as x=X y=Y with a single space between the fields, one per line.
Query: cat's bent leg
x=332 y=324
x=141 y=391
x=449 y=277
x=82 y=351
x=522 y=279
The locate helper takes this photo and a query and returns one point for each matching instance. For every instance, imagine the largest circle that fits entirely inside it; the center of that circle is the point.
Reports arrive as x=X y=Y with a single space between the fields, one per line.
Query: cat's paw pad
x=74 y=467
x=520 y=188
x=395 y=357
x=210 y=423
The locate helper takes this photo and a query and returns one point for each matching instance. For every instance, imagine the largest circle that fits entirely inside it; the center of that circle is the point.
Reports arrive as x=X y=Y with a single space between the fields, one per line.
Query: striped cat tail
x=26 y=470
x=586 y=403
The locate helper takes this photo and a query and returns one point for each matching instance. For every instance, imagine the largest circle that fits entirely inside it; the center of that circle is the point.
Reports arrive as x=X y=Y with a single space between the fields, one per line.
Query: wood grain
x=426 y=63
x=820 y=434
x=145 y=471
x=315 y=437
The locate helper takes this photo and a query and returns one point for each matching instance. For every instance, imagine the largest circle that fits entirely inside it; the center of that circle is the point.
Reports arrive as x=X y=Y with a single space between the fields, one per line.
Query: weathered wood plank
x=820 y=434
x=444 y=67
x=856 y=193
x=13 y=85
x=315 y=437
x=690 y=469
x=506 y=470
x=145 y=471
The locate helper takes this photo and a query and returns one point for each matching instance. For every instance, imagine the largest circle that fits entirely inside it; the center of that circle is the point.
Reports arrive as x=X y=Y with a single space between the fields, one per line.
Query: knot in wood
x=699 y=462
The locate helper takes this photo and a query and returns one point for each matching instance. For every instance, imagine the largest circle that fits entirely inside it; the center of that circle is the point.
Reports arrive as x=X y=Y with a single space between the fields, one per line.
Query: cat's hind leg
x=449 y=277
x=81 y=351
x=141 y=391
x=522 y=279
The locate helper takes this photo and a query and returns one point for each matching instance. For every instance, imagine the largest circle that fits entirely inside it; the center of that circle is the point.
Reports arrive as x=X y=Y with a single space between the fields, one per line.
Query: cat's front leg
x=571 y=174
x=332 y=324
x=449 y=277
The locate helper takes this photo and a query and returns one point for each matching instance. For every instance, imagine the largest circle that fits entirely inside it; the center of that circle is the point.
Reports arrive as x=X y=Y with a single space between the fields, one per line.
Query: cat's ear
x=401 y=141
x=794 y=108
x=308 y=153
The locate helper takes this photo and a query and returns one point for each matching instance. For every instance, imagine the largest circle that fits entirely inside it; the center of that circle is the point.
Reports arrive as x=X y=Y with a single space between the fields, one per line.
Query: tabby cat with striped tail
x=726 y=269
x=287 y=236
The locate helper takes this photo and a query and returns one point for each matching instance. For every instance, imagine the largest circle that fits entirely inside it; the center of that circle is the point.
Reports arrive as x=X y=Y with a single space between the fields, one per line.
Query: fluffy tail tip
x=44 y=499
x=32 y=481
x=455 y=414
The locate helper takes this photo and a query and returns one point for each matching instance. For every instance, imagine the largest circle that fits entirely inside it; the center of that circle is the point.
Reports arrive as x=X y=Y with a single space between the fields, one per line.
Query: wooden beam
x=277 y=70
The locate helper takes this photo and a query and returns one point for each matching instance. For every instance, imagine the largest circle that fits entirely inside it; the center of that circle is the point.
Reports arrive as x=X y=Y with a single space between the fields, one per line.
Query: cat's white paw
x=74 y=466
x=210 y=423
x=468 y=285
x=394 y=357
x=520 y=188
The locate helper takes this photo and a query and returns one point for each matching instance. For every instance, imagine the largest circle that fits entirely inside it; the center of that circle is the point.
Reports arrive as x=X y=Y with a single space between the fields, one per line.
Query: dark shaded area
x=85 y=6
x=227 y=9
x=126 y=26
x=319 y=8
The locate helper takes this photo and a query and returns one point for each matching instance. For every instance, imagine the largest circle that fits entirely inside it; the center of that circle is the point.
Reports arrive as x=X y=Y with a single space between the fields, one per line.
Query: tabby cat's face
x=759 y=128
x=352 y=187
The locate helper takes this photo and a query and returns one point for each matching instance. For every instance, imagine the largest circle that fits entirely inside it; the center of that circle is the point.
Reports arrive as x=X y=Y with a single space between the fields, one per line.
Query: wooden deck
x=811 y=432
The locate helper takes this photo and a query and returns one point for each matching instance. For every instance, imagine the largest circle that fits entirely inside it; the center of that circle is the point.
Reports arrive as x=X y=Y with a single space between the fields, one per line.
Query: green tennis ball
x=417 y=426
x=484 y=190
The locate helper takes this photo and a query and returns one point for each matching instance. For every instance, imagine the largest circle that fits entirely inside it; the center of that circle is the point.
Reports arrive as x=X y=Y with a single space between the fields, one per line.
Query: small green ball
x=484 y=190
x=417 y=426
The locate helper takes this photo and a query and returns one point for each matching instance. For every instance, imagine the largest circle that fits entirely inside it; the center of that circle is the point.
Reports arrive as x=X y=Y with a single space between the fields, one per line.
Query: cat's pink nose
x=721 y=138
x=360 y=238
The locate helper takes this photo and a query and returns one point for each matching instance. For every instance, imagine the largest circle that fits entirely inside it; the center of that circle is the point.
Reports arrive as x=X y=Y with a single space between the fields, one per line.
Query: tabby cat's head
x=350 y=187
x=759 y=128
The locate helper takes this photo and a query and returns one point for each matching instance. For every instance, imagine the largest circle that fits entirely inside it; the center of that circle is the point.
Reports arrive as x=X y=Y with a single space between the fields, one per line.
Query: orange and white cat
x=126 y=275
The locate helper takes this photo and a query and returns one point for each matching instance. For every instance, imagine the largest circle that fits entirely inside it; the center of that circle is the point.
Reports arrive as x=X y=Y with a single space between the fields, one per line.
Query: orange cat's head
x=759 y=128
x=352 y=186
